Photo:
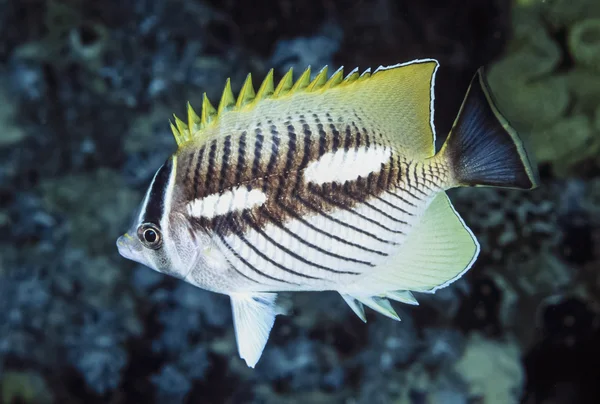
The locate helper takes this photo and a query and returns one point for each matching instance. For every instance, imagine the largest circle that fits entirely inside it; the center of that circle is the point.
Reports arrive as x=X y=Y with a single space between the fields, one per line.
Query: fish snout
x=125 y=246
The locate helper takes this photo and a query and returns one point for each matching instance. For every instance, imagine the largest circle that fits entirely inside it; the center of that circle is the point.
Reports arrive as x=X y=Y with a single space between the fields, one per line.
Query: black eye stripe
x=155 y=205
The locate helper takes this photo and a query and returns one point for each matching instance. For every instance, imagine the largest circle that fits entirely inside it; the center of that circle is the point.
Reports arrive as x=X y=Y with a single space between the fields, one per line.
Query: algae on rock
x=492 y=370
x=548 y=90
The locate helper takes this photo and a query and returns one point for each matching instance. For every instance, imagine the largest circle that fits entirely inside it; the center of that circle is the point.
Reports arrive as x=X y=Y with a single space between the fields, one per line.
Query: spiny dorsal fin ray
x=208 y=111
x=335 y=79
x=302 y=82
x=179 y=138
x=285 y=84
x=194 y=121
x=403 y=94
x=227 y=98
x=319 y=80
x=247 y=93
x=267 y=88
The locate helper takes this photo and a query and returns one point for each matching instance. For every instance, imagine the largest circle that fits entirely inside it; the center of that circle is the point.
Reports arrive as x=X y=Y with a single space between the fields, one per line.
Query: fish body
x=324 y=184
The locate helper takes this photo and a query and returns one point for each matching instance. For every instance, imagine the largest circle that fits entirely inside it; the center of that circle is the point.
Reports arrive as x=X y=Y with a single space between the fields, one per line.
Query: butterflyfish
x=325 y=183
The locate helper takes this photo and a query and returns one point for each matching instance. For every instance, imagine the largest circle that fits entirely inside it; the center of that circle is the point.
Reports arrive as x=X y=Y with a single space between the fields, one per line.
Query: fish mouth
x=124 y=247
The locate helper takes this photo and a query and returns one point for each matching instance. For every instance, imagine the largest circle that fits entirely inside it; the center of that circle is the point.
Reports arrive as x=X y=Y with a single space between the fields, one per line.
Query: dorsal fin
x=335 y=79
x=319 y=80
x=208 y=112
x=285 y=84
x=266 y=89
x=194 y=121
x=246 y=93
x=401 y=91
x=302 y=82
x=227 y=98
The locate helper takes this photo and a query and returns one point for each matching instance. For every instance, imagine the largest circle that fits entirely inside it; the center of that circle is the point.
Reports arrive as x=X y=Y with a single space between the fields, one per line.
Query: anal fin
x=402 y=296
x=253 y=318
x=355 y=305
x=377 y=303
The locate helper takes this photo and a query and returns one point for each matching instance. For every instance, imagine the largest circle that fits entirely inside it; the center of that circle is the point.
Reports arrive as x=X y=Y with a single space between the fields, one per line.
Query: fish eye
x=150 y=235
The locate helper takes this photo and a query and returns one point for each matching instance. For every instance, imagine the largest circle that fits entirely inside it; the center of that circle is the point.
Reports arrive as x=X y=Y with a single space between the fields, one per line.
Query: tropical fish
x=331 y=183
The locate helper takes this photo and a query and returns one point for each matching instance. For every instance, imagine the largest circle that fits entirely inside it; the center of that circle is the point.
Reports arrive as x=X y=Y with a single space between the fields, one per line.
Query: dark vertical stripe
x=348 y=138
x=289 y=159
x=307 y=142
x=358 y=139
x=188 y=168
x=390 y=174
x=196 y=183
x=274 y=153
x=322 y=140
x=336 y=138
x=307 y=145
x=418 y=186
x=241 y=160
x=225 y=161
x=210 y=171
x=258 y=143
x=155 y=205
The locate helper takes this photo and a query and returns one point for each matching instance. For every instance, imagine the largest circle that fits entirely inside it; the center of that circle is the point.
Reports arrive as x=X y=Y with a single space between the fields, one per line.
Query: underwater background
x=86 y=91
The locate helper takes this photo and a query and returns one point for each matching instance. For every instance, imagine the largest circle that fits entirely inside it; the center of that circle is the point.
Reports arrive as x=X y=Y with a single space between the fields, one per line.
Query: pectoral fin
x=253 y=318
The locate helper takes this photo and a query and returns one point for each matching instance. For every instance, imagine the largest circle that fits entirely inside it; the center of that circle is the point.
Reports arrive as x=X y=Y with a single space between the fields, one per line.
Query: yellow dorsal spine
x=319 y=80
x=302 y=82
x=227 y=99
x=285 y=84
x=335 y=79
x=208 y=111
x=178 y=138
x=266 y=89
x=351 y=77
x=246 y=93
x=194 y=122
x=365 y=75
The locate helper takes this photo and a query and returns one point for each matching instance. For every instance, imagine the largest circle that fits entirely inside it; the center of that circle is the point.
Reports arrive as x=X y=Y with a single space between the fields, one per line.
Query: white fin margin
x=253 y=318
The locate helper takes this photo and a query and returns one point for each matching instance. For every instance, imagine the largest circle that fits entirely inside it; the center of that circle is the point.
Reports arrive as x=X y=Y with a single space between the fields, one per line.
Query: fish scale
x=329 y=183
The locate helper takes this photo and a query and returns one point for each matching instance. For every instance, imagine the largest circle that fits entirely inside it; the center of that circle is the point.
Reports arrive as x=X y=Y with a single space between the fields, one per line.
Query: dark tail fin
x=482 y=148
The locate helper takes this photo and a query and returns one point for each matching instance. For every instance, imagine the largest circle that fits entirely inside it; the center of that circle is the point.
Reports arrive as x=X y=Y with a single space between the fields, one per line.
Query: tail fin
x=482 y=148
